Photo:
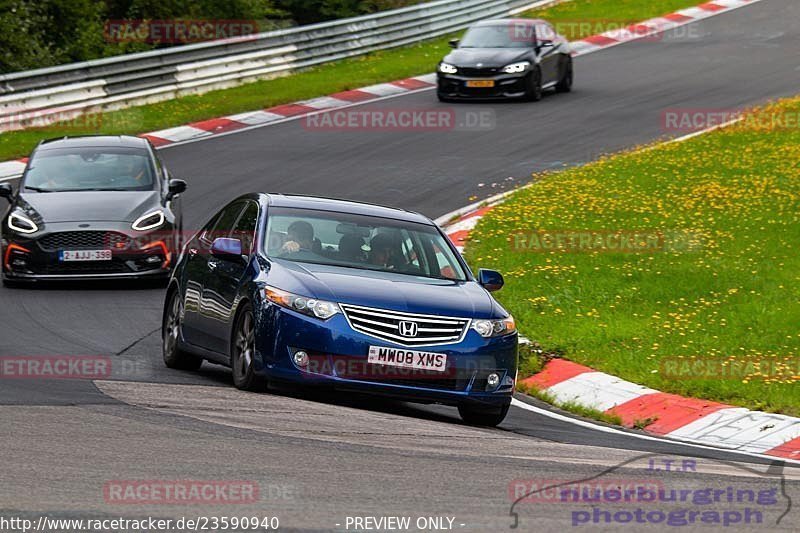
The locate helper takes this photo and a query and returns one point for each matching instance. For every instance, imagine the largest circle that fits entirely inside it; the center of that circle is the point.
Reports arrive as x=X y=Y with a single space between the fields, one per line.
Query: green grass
x=732 y=294
x=378 y=67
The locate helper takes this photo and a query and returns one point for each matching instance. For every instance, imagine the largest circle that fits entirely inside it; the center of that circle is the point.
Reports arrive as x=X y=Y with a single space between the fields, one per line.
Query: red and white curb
x=225 y=125
x=670 y=415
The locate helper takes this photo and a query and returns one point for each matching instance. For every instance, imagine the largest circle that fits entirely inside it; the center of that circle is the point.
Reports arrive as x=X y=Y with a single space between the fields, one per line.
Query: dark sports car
x=506 y=58
x=91 y=207
x=355 y=296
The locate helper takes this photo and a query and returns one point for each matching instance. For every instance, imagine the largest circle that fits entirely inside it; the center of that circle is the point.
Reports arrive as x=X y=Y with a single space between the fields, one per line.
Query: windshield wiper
x=39 y=189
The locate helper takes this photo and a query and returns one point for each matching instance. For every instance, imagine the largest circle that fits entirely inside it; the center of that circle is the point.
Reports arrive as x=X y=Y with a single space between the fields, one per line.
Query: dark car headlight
x=447 y=68
x=302 y=304
x=20 y=223
x=494 y=328
x=516 y=68
x=148 y=221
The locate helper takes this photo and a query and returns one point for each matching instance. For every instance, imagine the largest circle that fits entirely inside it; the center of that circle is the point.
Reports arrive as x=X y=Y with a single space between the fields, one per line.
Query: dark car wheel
x=442 y=97
x=243 y=351
x=565 y=84
x=533 y=92
x=483 y=416
x=174 y=357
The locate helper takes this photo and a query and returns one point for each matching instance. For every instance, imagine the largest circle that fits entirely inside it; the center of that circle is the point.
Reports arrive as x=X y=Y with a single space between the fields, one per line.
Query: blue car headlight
x=302 y=304
x=494 y=328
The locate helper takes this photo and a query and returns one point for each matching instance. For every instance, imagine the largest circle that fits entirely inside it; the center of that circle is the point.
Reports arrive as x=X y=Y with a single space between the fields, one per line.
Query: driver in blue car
x=299 y=237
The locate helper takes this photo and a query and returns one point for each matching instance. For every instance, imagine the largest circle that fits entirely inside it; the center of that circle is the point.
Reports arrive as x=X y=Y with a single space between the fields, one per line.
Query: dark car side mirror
x=491 y=280
x=176 y=187
x=6 y=191
x=227 y=249
x=545 y=43
x=453 y=43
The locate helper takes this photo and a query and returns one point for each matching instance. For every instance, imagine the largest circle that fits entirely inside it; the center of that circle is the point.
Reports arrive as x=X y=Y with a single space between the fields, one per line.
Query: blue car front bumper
x=338 y=357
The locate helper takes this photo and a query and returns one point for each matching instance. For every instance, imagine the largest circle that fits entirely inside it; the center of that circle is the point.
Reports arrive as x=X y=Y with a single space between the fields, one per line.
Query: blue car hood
x=385 y=290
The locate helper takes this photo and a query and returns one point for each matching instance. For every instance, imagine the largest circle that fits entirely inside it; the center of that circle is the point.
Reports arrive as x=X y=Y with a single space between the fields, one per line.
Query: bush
x=42 y=33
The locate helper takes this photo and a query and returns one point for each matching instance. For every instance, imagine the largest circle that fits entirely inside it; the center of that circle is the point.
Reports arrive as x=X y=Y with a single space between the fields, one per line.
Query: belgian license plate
x=480 y=83
x=403 y=358
x=84 y=255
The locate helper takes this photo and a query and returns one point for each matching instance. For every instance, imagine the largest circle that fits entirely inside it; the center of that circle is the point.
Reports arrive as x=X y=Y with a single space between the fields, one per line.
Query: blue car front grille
x=407 y=329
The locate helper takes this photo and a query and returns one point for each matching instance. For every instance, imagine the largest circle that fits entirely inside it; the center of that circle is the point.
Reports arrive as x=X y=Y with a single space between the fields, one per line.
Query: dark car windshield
x=359 y=241
x=90 y=168
x=497 y=36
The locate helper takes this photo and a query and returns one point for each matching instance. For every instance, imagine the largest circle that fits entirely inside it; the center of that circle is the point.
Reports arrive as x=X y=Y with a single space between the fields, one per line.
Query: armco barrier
x=55 y=93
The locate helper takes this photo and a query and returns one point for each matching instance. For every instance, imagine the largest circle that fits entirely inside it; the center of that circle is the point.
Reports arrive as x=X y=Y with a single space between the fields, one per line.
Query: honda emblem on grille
x=408 y=329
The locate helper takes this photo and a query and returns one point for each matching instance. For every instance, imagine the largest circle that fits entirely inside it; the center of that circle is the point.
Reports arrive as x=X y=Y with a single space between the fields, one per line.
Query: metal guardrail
x=36 y=97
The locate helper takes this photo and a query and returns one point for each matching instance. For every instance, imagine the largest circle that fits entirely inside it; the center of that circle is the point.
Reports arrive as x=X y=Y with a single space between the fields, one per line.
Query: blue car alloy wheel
x=357 y=297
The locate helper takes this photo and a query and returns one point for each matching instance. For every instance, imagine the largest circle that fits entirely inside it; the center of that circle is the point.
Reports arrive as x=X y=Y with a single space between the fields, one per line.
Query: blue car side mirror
x=228 y=249
x=491 y=280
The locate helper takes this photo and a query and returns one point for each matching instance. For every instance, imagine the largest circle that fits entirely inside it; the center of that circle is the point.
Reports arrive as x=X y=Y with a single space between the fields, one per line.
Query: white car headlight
x=515 y=68
x=494 y=328
x=447 y=68
x=150 y=220
x=21 y=224
x=301 y=304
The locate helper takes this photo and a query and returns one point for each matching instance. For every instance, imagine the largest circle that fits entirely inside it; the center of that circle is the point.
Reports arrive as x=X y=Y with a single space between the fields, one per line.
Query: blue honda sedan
x=329 y=292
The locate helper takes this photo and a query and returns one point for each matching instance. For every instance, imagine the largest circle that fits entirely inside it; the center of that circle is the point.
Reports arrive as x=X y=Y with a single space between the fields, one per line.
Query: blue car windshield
x=360 y=241
x=90 y=169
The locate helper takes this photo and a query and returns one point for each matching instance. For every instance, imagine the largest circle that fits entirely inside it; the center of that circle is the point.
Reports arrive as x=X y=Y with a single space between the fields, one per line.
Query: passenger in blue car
x=351 y=248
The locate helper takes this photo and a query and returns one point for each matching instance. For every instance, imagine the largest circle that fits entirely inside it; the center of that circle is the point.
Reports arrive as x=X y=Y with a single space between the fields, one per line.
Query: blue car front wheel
x=243 y=352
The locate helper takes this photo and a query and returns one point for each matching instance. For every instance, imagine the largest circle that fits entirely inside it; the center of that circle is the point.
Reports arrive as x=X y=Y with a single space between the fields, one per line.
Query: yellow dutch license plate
x=480 y=83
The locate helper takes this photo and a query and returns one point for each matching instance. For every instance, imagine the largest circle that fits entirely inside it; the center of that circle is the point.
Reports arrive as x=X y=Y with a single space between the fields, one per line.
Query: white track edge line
x=674 y=441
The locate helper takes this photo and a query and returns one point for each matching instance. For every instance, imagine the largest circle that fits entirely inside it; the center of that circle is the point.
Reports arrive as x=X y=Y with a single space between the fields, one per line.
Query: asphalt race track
x=319 y=457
